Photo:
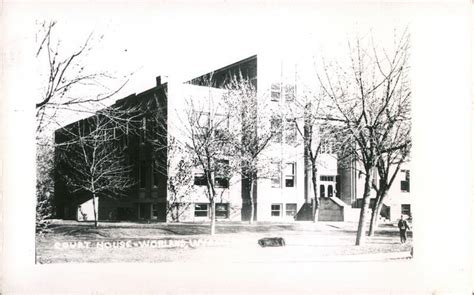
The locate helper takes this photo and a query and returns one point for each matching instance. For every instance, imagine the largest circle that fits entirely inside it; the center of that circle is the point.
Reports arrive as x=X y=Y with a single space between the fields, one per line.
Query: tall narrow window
x=290 y=175
x=276 y=174
x=290 y=92
x=154 y=211
x=275 y=92
x=222 y=173
x=290 y=131
x=155 y=173
x=125 y=141
x=405 y=184
x=275 y=126
x=202 y=122
x=322 y=191
x=221 y=127
x=143 y=130
x=142 y=174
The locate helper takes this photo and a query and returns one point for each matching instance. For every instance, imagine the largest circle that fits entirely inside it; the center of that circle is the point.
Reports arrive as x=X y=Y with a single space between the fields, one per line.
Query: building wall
x=202 y=99
x=149 y=199
x=352 y=190
x=284 y=71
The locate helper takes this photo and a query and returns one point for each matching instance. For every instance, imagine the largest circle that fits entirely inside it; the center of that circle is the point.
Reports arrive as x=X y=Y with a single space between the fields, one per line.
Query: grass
x=237 y=242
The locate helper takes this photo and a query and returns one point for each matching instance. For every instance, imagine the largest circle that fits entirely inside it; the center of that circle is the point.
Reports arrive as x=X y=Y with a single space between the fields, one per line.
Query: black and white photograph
x=236 y=147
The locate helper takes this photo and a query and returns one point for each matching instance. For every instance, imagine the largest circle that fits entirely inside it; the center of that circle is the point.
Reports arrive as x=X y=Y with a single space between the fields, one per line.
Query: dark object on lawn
x=271 y=242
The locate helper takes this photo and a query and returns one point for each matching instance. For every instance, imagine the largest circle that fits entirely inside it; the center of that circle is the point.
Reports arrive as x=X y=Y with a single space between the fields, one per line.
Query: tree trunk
x=213 y=218
x=252 y=203
x=95 y=211
x=376 y=213
x=361 y=229
x=314 y=172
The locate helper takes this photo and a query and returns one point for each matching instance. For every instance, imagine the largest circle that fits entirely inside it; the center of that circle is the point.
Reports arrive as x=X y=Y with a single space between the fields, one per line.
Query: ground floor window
x=222 y=210
x=154 y=211
x=276 y=210
x=144 y=211
x=406 y=209
x=290 y=210
x=200 y=210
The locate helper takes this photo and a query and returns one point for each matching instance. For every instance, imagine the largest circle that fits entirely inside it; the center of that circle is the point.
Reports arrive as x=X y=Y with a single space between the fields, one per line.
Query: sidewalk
x=235 y=243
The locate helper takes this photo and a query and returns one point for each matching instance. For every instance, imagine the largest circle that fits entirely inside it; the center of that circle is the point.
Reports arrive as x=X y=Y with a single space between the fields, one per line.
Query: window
x=202 y=125
x=222 y=210
x=406 y=209
x=221 y=126
x=330 y=191
x=276 y=210
x=144 y=211
x=327 y=147
x=322 y=191
x=125 y=141
x=200 y=210
x=222 y=174
x=200 y=178
x=326 y=178
x=202 y=119
x=290 y=175
x=275 y=92
x=405 y=184
x=290 y=131
x=290 y=210
x=155 y=172
x=142 y=174
x=276 y=174
x=143 y=131
x=154 y=211
x=290 y=92
x=275 y=127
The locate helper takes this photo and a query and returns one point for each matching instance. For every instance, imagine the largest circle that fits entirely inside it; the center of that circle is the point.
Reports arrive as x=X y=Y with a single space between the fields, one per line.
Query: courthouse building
x=284 y=196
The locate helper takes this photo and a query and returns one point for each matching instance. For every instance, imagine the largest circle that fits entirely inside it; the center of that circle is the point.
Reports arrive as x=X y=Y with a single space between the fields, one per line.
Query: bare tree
x=366 y=97
x=318 y=132
x=250 y=133
x=92 y=160
x=396 y=150
x=204 y=135
x=70 y=84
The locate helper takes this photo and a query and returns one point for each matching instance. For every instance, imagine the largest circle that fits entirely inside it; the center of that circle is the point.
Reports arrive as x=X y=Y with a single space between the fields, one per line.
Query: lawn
x=69 y=241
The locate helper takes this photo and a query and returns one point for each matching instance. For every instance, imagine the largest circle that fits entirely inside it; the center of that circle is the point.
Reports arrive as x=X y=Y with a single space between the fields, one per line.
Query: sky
x=182 y=41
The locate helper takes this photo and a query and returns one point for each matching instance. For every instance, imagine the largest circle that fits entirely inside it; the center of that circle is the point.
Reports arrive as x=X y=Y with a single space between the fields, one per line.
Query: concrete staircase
x=330 y=209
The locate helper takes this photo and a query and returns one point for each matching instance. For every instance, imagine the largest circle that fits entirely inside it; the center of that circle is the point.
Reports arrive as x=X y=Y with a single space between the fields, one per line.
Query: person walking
x=403 y=226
